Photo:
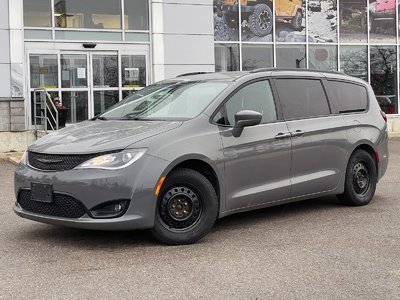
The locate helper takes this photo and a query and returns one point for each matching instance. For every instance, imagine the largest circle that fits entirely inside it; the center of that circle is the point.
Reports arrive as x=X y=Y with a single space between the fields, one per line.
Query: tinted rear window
x=302 y=98
x=348 y=97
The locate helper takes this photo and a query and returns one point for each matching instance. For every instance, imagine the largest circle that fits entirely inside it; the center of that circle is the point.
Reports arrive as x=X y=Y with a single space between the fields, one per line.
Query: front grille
x=62 y=206
x=57 y=162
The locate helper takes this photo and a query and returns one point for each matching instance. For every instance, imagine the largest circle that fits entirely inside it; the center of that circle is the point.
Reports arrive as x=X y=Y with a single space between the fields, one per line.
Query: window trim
x=321 y=80
x=278 y=111
x=332 y=99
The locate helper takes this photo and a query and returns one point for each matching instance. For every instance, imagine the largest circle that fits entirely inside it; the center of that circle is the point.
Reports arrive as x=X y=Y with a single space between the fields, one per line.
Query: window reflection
x=136 y=14
x=43 y=71
x=354 y=61
x=95 y=14
x=257 y=56
x=384 y=76
x=322 y=57
x=37 y=13
x=353 y=21
x=226 y=57
x=291 y=56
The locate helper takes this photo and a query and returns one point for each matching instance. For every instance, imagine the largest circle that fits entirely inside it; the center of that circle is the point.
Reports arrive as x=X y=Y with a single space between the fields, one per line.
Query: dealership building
x=90 y=54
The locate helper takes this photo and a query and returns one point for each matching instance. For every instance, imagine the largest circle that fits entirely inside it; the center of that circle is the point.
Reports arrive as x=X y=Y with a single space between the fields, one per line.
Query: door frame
x=77 y=48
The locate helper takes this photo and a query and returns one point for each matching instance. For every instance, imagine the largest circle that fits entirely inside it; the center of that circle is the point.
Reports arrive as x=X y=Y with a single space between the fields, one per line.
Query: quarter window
x=302 y=98
x=256 y=96
x=348 y=97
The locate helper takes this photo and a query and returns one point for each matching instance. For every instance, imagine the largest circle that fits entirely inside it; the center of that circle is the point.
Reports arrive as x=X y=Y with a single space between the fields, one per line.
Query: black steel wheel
x=361 y=178
x=187 y=208
x=181 y=207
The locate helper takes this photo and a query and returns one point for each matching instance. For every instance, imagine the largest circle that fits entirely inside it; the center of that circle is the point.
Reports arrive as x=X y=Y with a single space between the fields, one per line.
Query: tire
x=230 y=21
x=187 y=208
x=360 y=181
x=297 y=21
x=260 y=20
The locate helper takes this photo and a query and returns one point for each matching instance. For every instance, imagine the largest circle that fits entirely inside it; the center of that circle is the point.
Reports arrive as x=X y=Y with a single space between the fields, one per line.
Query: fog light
x=107 y=210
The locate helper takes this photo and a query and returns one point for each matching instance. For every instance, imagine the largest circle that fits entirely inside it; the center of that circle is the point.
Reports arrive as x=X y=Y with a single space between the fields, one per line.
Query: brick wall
x=12 y=114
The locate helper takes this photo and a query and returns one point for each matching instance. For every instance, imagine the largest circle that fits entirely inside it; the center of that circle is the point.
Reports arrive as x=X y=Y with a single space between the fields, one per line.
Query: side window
x=348 y=97
x=256 y=96
x=302 y=98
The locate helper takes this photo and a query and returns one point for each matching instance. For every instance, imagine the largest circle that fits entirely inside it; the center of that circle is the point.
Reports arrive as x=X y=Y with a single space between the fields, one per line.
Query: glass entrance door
x=87 y=82
x=74 y=86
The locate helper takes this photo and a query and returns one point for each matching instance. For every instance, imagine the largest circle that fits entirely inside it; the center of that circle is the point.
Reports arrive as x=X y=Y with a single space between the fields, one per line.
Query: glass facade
x=83 y=20
x=356 y=37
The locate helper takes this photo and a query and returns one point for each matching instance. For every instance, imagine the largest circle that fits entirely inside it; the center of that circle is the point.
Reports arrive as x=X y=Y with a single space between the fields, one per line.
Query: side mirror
x=245 y=118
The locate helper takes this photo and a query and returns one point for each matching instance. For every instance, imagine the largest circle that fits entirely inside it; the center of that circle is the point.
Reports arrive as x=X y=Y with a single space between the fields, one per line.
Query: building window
x=226 y=21
x=354 y=61
x=93 y=14
x=322 y=21
x=136 y=14
x=353 y=21
x=382 y=21
x=322 y=57
x=226 y=57
x=37 y=13
x=384 y=77
x=257 y=56
x=291 y=56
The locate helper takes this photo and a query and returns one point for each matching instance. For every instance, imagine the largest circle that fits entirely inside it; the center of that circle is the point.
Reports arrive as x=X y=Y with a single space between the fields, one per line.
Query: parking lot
x=316 y=249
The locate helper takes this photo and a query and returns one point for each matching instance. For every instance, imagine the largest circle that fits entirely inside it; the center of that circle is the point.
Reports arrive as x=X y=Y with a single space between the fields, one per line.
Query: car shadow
x=109 y=240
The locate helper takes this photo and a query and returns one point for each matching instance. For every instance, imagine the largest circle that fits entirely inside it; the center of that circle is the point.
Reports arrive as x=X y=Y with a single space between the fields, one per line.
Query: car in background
x=381 y=12
x=314 y=5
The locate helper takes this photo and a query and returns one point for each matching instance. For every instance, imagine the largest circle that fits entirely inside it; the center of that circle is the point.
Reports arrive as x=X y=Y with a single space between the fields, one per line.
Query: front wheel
x=361 y=179
x=187 y=208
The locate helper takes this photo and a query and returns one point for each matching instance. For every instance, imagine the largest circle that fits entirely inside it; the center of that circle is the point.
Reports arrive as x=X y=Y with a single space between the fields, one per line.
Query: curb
x=13 y=157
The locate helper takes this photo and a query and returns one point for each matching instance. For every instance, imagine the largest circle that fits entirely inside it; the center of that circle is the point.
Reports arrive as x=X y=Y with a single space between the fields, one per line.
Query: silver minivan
x=181 y=153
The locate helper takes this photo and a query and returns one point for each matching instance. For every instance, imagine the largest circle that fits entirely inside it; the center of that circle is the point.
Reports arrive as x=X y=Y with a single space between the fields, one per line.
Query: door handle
x=298 y=133
x=281 y=135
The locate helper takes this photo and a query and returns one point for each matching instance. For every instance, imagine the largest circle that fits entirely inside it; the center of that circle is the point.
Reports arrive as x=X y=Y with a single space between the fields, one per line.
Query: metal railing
x=48 y=111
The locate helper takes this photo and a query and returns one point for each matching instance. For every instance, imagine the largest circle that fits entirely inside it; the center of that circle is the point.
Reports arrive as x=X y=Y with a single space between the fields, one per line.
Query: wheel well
x=371 y=152
x=203 y=168
x=268 y=2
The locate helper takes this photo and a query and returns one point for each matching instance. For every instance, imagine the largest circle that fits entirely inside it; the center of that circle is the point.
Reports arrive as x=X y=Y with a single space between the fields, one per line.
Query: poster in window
x=226 y=20
x=353 y=21
x=382 y=21
x=257 y=21
x=131 y=74
x=290 y=21
x=322 y=21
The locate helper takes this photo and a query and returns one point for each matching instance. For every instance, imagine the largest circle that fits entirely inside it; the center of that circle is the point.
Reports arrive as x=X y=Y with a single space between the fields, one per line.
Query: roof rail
x=192 y=73
x=294 y=69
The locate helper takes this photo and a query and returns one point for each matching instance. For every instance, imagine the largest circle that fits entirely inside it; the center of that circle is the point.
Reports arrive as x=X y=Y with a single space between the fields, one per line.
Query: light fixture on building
x=89 y=45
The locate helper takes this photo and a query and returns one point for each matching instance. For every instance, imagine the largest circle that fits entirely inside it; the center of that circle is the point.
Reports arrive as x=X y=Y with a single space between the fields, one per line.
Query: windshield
x=166 y=101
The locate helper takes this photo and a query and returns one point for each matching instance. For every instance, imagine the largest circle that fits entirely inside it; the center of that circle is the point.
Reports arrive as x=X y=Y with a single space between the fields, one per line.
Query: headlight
x=113 y=161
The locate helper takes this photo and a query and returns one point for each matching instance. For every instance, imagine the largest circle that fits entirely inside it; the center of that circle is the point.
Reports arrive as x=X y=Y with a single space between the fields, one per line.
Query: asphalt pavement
x=315 y=249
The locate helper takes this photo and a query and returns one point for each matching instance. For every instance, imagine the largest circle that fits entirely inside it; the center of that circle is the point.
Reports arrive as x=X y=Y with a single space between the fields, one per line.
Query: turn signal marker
x=159 y=184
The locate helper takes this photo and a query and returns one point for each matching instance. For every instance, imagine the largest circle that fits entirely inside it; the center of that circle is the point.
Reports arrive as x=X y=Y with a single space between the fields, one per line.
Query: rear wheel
x=187 y=208
x=361 y=179
x=297 y=20
x=260 y=20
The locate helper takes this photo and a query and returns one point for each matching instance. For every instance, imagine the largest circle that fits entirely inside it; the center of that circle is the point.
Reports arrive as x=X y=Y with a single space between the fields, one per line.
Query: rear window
x=302 y=98
x=348 y=97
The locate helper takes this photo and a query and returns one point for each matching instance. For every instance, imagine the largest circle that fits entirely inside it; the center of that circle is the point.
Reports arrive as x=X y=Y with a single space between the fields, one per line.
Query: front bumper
x=92 y=187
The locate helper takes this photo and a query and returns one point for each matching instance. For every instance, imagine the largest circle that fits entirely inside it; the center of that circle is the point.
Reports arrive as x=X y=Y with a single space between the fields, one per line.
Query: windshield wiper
x=102 y=118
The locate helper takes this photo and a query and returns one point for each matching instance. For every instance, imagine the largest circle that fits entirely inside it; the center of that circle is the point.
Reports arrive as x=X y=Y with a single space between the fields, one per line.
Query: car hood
x=100 y=136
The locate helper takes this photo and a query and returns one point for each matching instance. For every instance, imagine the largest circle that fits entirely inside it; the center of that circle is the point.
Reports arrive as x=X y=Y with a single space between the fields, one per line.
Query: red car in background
x=382 y=11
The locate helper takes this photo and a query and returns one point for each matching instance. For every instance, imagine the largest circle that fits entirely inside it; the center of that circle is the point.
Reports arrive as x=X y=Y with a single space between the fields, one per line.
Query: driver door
x=257 y=163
